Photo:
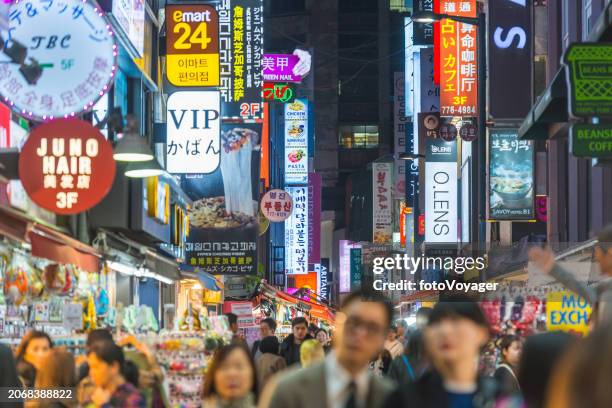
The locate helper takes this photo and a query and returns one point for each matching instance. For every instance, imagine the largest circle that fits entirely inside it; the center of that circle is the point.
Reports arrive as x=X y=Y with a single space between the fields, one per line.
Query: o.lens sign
x=68 y=62
x=66 y=166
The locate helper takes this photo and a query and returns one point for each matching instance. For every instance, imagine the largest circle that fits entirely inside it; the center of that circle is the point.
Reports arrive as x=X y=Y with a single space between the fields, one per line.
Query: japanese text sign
x=277 y=92
x=511 y=176
x=276 y=205
x=279 y=68
x=66 y=166
x=458 y=8
x=382 y=203
x=296 y=142
x=458 y=68
x=193 y=132
x=192 y=45
x=296 y=232
x=241 y=44
x=72 y=42
x=130 y=14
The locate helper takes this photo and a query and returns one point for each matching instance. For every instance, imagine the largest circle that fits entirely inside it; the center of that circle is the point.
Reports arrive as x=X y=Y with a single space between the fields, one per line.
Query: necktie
x=351 y=401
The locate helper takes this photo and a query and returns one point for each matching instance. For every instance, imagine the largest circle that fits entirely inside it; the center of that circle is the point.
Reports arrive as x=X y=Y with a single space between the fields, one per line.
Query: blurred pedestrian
x=290 y=347
x=92 y=337
x=422 y=317
x=267 y=327
x=412 y=363
x=323 y=338
x=313 y=329
x=58 y=371
x=9 y=377
x=456 y=331
x=589 y=373
x=393 y=345
x=231 y=379
x=381 y=364
x=106 y=369
x=540 y=358
x=342 y=380
x=311 y=352
x=233 y=325
x=269 y=362
x=31 y=352
x=599 y=296
x=510 y=347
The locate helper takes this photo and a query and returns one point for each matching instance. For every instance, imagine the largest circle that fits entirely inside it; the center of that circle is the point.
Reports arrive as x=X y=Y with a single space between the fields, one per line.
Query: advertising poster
x=355 y=268
x=441 y=200
x=192 y=45
x=510 y=176
x=296 y=142
x=458 y=61
x=382 y=223
x=296 y=232
x=223 y=221
x=314 y=217
x=241 y=56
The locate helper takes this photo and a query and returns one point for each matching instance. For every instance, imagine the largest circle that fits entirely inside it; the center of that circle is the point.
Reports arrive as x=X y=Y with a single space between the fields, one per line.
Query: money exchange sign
x=192 y=45
x=458 y=62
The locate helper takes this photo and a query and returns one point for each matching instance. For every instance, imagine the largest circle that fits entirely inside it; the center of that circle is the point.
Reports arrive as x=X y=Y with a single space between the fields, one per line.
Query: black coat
x=8 y=374
x=291 y=351
x=429 y=392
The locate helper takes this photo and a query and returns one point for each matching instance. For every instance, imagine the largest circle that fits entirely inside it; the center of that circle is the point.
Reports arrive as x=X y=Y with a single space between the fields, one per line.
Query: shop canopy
x=48 y=242
x=315 y=309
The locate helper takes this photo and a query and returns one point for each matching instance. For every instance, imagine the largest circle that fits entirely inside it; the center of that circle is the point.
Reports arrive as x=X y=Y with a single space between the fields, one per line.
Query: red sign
x=5 y=126
x=458 y=62
x=422 y=224
x=458 y=8
x=405 y=211
x=276 y=205
x=66 y=166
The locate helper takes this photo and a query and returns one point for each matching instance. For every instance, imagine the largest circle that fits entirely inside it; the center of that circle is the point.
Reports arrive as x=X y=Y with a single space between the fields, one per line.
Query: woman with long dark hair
x=58 y=371
x=511 y=347
x=231 y=379
x=31 y=353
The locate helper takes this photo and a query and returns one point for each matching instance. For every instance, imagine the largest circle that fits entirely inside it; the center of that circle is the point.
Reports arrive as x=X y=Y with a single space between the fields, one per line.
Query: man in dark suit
x=343 y=379
x=8 y=374
x=267 y=328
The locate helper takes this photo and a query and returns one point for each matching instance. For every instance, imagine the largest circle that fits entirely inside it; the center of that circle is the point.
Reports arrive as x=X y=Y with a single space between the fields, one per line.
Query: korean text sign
x=296 y=232
x=276 y=205
x=193 y=132
x=192 y=45
x=510 y=176
x=66 y=166
x=382 y=224
x=241 y=44
x=73 y=41
x=458 y=64
x=296 y=142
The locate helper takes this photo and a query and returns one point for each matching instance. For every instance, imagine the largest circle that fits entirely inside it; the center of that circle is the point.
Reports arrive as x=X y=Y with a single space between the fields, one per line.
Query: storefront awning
x=208 y=281
x=52 y=245
x=551 y=107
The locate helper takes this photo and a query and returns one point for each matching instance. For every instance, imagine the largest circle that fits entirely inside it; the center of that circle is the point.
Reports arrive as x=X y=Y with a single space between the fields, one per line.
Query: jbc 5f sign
x=192 y=45
x=66 y=166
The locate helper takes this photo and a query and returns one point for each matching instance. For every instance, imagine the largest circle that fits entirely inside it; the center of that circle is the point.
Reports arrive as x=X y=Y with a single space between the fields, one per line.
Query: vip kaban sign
x=66 y=166
x=192 y=44
x=72 y=43
x=193 y=132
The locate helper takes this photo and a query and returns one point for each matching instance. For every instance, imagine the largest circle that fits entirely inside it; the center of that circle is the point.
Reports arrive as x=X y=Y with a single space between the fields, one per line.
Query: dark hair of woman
x=221 y=354
x=25 y=342
x=269 y=344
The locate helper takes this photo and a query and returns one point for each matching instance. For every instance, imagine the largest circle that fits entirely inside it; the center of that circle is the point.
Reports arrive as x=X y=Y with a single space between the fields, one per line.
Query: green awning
x=551 y=107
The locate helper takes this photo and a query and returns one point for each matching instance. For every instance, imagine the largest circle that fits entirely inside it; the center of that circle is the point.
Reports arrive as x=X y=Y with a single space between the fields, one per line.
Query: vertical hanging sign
x=382 y=203
x=458 y=61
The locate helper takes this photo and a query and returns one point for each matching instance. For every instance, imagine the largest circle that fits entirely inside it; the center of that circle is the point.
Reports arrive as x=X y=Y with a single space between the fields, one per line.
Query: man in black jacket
x=454 y=336
x=8 y=374
x=290 y=347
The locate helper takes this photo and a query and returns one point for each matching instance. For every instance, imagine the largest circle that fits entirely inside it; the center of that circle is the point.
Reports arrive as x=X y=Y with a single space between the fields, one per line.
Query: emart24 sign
x=192 y=45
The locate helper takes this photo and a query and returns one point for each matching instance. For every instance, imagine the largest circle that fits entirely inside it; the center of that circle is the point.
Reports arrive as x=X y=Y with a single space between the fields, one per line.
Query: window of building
x=358 y=136
x=586 y=18
x=277 y=7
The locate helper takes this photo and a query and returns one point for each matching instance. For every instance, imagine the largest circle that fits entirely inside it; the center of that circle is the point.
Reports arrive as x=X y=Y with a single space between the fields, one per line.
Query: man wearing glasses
x=343 y=380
